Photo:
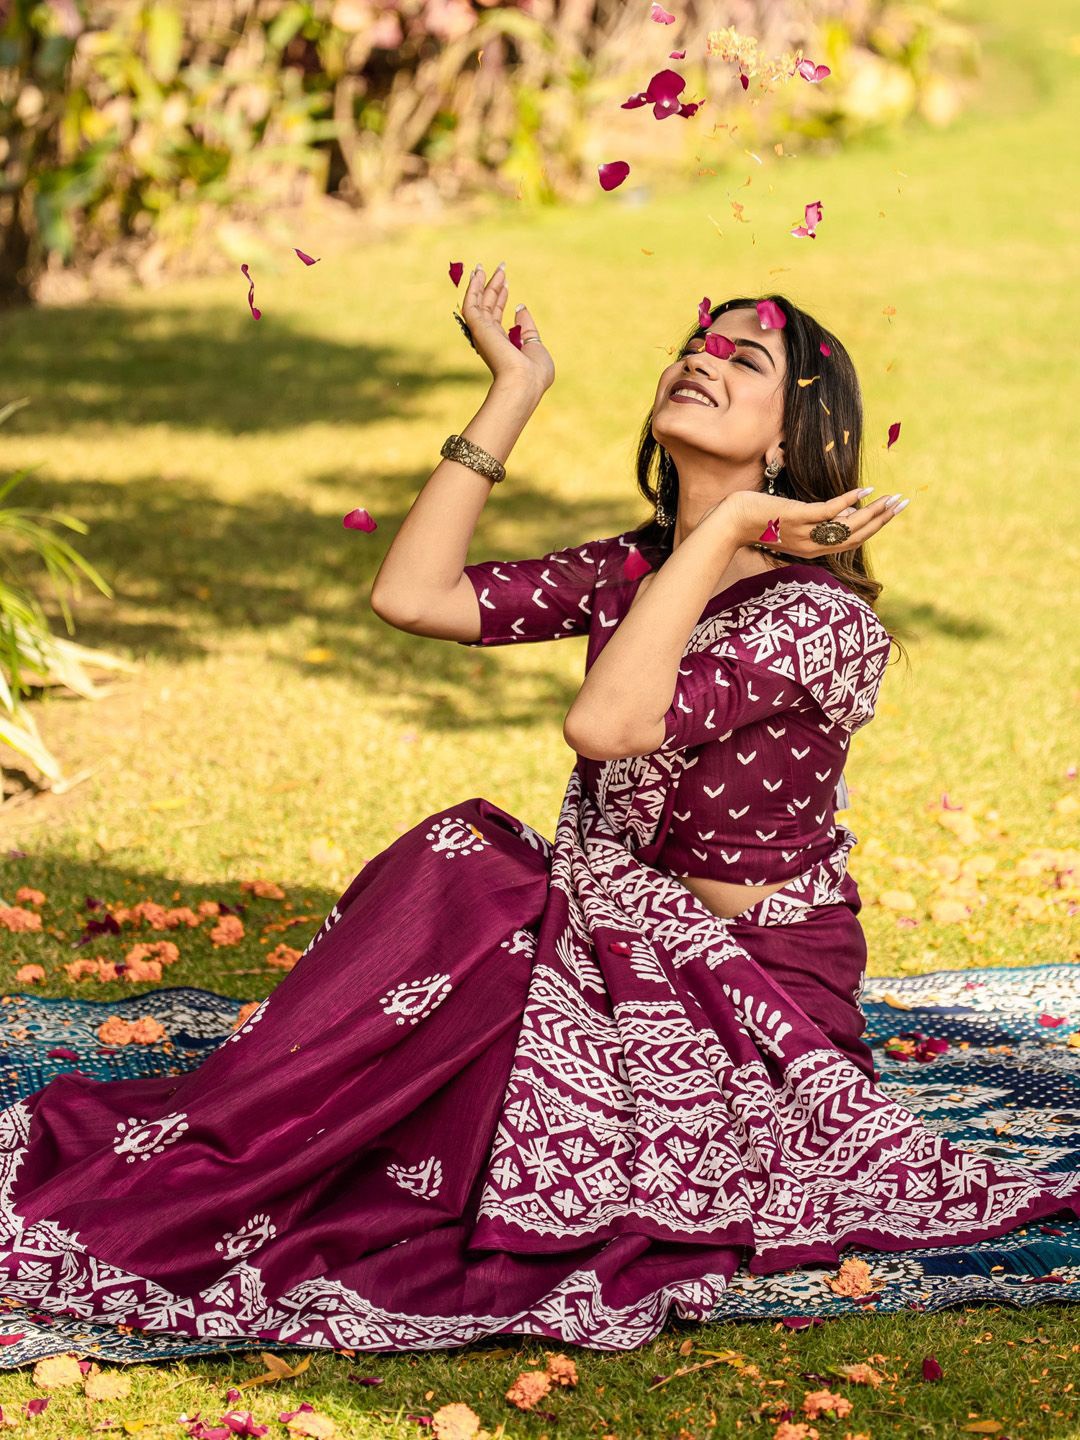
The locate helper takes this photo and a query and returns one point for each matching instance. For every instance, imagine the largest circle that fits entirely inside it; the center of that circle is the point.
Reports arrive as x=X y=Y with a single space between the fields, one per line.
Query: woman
x=522 y=1087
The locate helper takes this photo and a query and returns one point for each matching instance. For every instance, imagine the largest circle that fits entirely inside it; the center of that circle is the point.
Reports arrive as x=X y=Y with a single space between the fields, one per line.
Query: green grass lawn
x=277 y=729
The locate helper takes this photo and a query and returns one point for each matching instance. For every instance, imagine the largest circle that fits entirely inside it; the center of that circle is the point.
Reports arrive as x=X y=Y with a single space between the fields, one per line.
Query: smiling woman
x=521 y=1085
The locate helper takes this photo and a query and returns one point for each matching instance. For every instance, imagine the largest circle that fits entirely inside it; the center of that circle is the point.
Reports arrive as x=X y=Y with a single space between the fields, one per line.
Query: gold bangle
x=456 y=447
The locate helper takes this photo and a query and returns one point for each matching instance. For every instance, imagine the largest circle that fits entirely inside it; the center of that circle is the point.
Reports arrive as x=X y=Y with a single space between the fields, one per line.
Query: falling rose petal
x=514 y=336
x=812 y=214
x=894 y=434
x=256 y=314
x=1050 y=1020
x=720 y=346
x=704 y=315
x=359 y=520
x=770 y=315
x=744 y=82
x=677 y=55
x=771 y=533
x=457 y=269
x=801 y=230
x=825 y=349
x=946 y=803
x=635 y=564
x=61 y=1054
x=814 y=73
x=613 y=174
x=1050 y=1230
x=931 y=1370
x=662 y=17
x=306 y=258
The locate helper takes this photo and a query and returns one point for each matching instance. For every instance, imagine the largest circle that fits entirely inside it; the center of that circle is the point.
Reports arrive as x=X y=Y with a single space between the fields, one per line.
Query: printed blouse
x=780 y=671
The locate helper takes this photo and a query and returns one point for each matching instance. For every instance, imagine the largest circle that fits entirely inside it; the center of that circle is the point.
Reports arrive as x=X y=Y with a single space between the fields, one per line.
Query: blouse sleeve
x=546 y=598
x=823 y=650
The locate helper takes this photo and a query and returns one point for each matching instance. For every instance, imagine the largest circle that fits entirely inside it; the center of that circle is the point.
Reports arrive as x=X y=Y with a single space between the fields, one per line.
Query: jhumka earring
x=772 y=470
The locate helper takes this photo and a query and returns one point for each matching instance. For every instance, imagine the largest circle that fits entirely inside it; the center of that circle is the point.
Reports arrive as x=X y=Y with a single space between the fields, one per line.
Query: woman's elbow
x=596 y=743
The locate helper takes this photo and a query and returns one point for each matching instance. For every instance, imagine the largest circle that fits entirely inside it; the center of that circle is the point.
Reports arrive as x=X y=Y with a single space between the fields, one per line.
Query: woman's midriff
x=722 y=897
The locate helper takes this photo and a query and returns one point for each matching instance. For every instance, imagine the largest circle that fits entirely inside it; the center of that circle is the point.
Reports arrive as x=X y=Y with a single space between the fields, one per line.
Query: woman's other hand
x=482 y=308
x=748 y=513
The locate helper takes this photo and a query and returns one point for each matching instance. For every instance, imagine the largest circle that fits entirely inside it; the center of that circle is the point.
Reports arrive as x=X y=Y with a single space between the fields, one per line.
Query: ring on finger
x=830 y=532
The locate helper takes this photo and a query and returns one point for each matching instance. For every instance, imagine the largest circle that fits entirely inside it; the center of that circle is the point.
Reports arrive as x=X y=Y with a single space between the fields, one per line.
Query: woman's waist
x=740 y=859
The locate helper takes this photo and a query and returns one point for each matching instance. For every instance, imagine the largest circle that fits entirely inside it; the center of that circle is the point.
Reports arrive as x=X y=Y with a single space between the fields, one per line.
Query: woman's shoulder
x=802 y=582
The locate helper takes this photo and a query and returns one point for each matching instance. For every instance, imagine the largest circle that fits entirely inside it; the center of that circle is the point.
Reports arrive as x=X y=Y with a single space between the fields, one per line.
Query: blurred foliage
x=141 y=132
x=31 y=656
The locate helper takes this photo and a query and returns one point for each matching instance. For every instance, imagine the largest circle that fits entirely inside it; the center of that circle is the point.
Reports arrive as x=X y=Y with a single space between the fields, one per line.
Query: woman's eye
x=742 y=361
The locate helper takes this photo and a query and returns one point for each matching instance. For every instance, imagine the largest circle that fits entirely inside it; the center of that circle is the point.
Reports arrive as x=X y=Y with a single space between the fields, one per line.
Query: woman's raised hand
x=482 y=308
x=750 y=511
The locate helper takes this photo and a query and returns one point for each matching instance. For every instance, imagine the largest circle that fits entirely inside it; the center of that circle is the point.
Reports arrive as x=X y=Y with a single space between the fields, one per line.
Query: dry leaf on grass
x=107 y=1386
x=456 y=1421
x=56 y=1371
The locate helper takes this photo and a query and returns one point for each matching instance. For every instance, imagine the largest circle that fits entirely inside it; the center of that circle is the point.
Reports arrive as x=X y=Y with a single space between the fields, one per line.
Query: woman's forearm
x=428 y=553
x=631 y=683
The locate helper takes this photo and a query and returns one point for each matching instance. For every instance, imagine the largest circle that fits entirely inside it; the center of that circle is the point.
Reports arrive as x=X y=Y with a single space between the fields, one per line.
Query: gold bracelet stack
x=456 y=447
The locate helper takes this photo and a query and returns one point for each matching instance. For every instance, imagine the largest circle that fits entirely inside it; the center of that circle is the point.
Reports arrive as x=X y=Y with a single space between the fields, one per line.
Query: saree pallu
x=511 y=1087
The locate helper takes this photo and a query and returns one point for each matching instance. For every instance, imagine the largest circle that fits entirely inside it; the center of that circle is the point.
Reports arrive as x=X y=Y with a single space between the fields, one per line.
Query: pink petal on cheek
x=359 y=520
x=457 y=269
x=894 y=434
x=305 y=258
x=613 y=174
x=255 y=314
x=661 y=16
x=635 y=564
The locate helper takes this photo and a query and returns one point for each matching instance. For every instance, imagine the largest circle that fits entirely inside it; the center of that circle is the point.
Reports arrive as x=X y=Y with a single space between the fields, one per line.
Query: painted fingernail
x=902 y=506
x=866 y=490
x=501 y=265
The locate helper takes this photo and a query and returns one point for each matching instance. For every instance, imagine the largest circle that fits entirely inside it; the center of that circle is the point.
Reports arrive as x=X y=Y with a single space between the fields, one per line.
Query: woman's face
x=743 y=427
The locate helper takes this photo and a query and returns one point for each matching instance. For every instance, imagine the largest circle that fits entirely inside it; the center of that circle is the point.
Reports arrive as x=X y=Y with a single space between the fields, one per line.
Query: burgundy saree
x=512 y=1087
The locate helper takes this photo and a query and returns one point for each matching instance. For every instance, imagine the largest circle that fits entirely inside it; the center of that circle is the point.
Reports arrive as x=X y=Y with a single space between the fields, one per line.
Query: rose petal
x=677 y=55
x=662 y=17
x=825 y=349
x=931 y=1370
x=704 y=317
x=61 y=1054
x=612 y=174
x=894 y=434
x=635 y=564
x=306 y=258
x=771 y=532
x=720 y=346
x=514 y=334
x=256 y=314
x=770 y=315
x=744 y=82
x=457 y=269
x=359 y=520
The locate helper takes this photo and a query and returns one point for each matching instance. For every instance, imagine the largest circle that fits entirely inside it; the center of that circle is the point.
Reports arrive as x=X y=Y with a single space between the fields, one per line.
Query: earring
x=662 y=516
x=772 y=470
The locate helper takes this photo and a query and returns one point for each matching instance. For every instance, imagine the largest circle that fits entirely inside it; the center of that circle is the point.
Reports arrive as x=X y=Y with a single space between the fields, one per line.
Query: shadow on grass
x=210 y=368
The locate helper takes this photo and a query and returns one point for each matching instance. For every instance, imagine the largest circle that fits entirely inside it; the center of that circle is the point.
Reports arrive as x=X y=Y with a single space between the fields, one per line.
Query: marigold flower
x=14 y=917
x=153 y=913
x=245 y=1011
x=561 y=1369
x=228 y=931
x=32 y=897
x=853 y=1278
x=209 y=907
x=27 y=974
x=142 y=970
x=181 y=915
x=265 y=889
x=529 y=1387
x=819 y=1401
x=283 y=957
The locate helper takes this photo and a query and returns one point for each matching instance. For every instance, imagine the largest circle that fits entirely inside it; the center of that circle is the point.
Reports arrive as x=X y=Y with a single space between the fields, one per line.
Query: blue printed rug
x=1007 y=1087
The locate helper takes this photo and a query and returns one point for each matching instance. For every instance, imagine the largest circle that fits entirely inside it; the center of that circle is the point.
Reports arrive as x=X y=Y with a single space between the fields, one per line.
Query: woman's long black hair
x=823 y=430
